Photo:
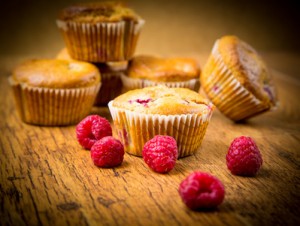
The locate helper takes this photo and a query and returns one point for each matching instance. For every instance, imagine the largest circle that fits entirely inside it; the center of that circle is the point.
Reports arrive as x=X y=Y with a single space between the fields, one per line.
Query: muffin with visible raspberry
x=52 y=92
x=145 y=70
x=100 y=31
x=141 y=114
x=237 y=81
x=110 y=78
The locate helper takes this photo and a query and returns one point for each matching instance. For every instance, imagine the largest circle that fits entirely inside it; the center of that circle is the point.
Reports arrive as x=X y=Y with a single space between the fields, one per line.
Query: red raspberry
x=160 y=153
x=201 y=191
x=243 y=157
x=91 y=129
x=107 y=152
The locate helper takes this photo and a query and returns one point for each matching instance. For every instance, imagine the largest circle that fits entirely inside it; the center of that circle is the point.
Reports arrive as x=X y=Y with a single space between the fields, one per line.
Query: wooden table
x=48 y=179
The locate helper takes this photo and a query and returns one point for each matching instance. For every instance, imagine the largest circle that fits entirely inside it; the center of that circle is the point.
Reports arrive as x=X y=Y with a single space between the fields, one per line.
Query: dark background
x=178 y=27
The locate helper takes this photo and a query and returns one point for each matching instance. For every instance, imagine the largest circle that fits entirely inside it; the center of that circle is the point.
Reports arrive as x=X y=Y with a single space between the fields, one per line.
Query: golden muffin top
x=247 y=66
x=98 y=12
x=55 y=73
x=163 y=69
x=107 y=67
x=164 y=101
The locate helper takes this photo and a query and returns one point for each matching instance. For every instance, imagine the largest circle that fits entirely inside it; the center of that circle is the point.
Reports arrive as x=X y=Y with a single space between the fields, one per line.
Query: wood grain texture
x=48 y=179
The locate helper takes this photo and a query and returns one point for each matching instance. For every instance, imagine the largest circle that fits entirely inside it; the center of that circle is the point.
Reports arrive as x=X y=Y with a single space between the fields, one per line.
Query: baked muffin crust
x=163 y=100
x=55 y=73
x=163 y=69
x=247 y=66
x=98 y=12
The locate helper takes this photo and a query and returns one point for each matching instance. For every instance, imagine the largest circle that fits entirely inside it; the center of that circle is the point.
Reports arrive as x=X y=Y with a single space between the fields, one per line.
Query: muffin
x=140 y=114
x=111 y=81
x=237 y=81
x=100 y=31
x=110 y=78
x=52 y=92
x=144 y=71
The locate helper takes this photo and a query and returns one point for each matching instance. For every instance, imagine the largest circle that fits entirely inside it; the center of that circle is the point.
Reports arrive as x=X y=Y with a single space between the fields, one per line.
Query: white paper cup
x=135 y=129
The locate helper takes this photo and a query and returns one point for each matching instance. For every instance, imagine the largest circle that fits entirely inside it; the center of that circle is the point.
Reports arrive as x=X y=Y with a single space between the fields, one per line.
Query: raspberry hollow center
x=141 y=101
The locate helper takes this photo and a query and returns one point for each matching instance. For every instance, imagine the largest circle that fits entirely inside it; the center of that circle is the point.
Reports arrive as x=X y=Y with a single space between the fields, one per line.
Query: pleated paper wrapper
x=229 y=95
x=53 y=107
x=101 y=42
x=135 y=129
x=136 y=83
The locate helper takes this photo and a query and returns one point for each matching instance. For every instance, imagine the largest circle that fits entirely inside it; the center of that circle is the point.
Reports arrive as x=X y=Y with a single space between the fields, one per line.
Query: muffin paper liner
x=53 y=107
x=101 y=42
x=229 y=95
x=135 y=83
x=111 y=88
x=135 y=129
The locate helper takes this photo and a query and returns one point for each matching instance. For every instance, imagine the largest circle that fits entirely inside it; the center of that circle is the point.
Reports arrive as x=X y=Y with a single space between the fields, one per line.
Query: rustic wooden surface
x=48 y=179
